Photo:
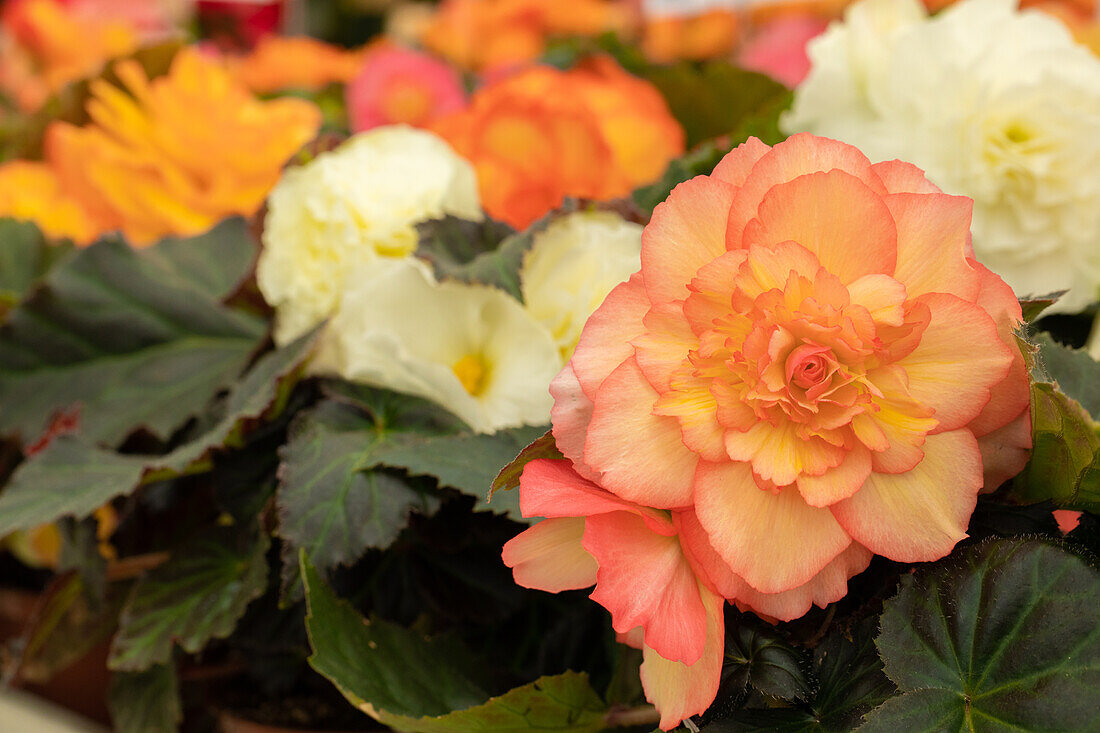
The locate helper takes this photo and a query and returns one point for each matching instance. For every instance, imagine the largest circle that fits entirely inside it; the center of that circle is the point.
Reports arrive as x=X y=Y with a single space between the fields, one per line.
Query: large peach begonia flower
x=175 y=155
x=542 y=134
x=809 y=368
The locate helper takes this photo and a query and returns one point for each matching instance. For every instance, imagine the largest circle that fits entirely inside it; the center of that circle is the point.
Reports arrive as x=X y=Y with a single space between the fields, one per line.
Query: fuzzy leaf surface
x=197 y=595
x=123 y=334
x=415 y=684
x=1000 y=636
x=72 y=477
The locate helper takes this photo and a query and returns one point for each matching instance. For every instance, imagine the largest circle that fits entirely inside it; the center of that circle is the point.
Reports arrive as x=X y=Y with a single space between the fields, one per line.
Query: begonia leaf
x=1065 y=458
x=758 y=657
x=412 y=683
x=849 y=682
x=330 y=500
x=488 y=252
x=71 y=477
x=125 y=336
x=147 y=701
x=718 y=98
x=508 y=477
x=1034 y=306
x=999 y=636
x=25 y=256
x=199 y=594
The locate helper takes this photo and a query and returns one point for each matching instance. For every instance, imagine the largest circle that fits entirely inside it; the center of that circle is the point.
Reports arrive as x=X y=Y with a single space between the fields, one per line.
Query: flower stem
x=623 y=717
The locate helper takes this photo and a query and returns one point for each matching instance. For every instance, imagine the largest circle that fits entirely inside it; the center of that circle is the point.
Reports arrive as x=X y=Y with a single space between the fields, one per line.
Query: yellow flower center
x=472 y=372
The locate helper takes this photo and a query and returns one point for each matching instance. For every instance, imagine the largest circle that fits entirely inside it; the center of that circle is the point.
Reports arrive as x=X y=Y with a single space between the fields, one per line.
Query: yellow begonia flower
x=30 y=191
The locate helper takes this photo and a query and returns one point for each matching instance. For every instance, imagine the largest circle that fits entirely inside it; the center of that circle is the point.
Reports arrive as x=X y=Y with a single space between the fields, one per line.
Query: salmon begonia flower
x=175 y=155
x=809 y=368
x=396 y=85
x=542 y=134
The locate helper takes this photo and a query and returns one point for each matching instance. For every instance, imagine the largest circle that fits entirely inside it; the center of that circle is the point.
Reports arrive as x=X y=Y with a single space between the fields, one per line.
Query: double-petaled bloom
x=809 y=369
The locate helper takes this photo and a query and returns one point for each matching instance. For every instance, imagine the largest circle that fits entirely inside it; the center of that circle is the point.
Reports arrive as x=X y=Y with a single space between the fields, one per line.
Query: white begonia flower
x=994 y=104
x=471 y=348
x=350 y=207
x=571 y=267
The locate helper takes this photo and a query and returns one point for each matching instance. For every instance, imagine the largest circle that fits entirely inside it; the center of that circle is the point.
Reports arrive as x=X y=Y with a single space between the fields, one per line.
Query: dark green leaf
x=215 y=262
x=508 y=477
x=1065 y=457
x=73 y=478
x=450 y=243
x=759 y=657
x=1001 y=636
x=198 y=595
x=717 y=98
x=121 y=333
x=80 y=553
x=146 y=702
x=329 y=501
x=379 y=664
x=25 y=256
x=468 y=461
x=416 y=684
x=1034 y=306
x=849 y=683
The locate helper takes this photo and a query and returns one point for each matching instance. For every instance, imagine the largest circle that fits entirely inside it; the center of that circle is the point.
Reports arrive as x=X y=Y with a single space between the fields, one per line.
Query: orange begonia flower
x=60 y=45
x=31 y=191
x=279 y=62
x=543 y=134
x=177 y=154
x=708 y=35
x=485 y=34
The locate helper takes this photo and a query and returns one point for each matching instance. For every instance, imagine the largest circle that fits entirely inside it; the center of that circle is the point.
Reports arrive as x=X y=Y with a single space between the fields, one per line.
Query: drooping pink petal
x=834 y=215
x=919 y=515
x=551 y=488
x=605 y=341
x=549 y=556
x=644 y=580
x=775 y=541
x=933 y=231
x=957 y=387
x=687 y=231
x=641 y=456
x=679 y=690
x=797 y=156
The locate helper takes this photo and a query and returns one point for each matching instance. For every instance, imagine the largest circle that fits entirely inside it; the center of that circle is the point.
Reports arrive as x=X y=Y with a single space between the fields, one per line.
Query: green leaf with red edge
x=139 y=339
x=412 y=683
x=71 y=477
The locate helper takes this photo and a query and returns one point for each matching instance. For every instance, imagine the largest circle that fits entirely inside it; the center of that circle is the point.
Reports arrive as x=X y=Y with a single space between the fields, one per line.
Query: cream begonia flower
x=573 y=265
x=350 y=207
x=995 y=104
x=471 y=348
